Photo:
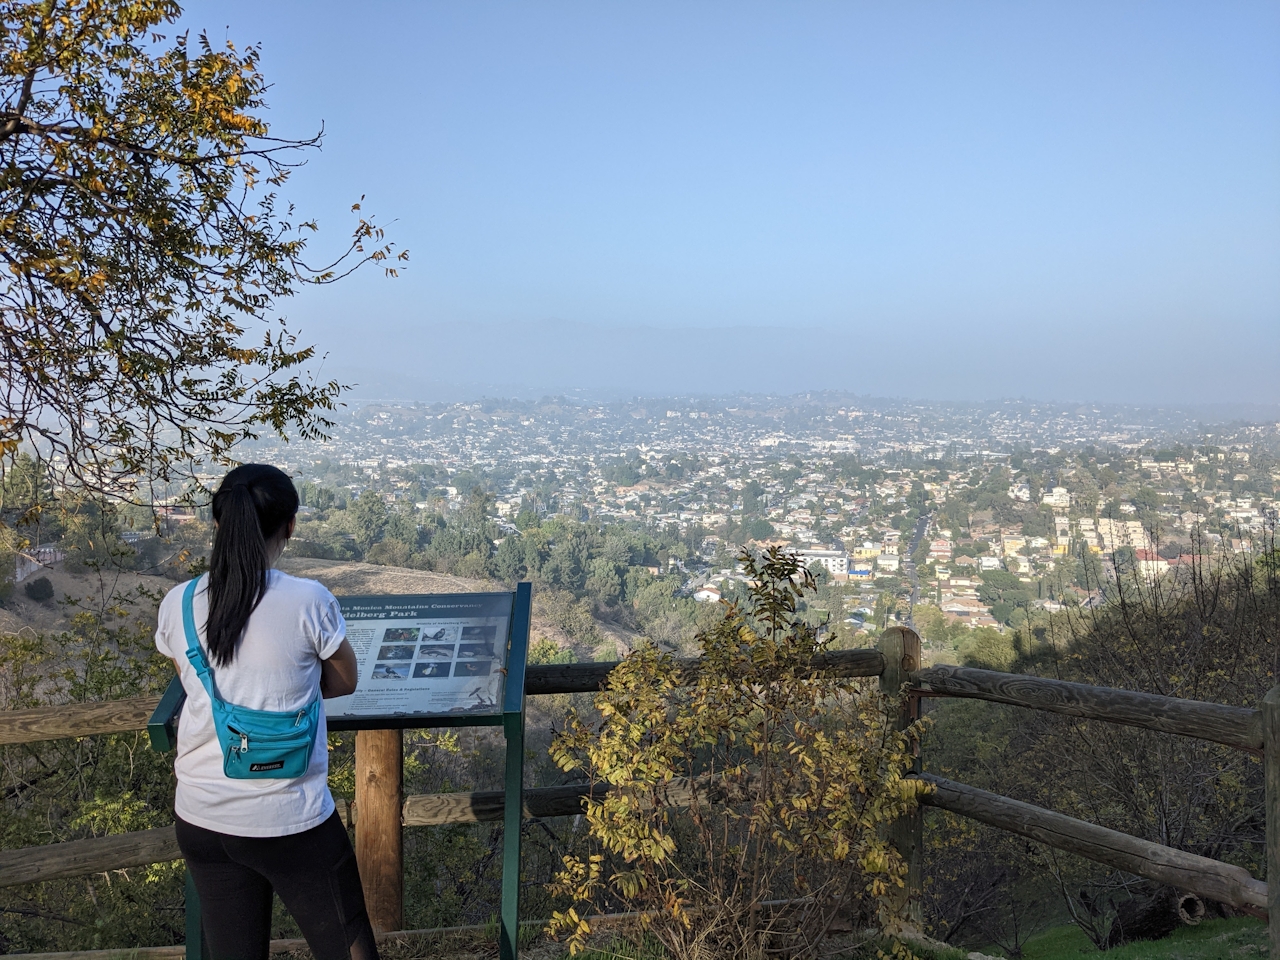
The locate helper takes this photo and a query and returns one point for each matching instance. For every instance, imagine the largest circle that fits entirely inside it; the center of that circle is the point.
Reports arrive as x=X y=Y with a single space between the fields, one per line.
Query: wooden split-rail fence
x=380 y=810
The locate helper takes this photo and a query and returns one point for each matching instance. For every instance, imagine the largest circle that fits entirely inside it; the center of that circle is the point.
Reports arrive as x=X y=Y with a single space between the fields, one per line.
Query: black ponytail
x=253 y=505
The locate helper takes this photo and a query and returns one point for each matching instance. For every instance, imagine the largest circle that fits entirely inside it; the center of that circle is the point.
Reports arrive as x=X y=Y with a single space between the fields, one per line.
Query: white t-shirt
x=277 y=667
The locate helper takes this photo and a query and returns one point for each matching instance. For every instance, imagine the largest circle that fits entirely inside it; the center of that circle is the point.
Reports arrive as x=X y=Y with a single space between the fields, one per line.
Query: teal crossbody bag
x=256 y=744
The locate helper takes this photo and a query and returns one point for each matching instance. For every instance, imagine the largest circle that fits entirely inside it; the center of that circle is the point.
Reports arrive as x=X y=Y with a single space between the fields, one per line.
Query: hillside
x=88 y=590
x=85 y=590
x=349 y=578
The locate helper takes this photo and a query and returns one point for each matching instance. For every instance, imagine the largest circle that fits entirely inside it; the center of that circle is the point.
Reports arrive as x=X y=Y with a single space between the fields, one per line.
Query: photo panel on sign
x=435 y=655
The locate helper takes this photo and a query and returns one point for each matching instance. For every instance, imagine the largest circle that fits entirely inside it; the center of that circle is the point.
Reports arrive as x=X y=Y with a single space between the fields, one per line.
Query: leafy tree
x=316 y=497
x=622 y=472
x=543 y=650
x=989 y=649
x=752 y=491
x=1146 y=500
x=603 y=581
x=368 y=518
x=527 y=519
x=468 y=534
x=1004 y=592
x=1039 y=523
x=618 y=549
x=390 y=553
x=145 y=246
x=508 y=562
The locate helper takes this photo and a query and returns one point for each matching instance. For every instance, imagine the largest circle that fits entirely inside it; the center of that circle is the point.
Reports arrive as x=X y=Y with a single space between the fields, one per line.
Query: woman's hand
x=338 y=674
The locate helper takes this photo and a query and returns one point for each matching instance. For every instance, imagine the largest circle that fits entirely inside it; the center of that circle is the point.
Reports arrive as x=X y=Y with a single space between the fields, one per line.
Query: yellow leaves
x=875 y=860
x=748 y=778
x=577 y=927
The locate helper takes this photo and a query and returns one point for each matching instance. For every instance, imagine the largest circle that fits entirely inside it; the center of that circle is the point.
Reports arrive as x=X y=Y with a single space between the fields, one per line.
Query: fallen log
x=1153 y=914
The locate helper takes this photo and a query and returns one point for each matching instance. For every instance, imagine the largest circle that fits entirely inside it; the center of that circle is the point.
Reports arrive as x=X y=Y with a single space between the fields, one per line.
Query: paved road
x=916 y=536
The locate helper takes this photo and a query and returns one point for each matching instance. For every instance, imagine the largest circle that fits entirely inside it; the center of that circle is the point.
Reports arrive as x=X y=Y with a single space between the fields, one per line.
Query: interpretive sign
x=425 y=657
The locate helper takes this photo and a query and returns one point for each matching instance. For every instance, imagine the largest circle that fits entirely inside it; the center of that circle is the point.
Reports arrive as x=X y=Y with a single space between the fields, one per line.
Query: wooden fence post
x=901 y=649
x=1271 y=776
x=379 y=802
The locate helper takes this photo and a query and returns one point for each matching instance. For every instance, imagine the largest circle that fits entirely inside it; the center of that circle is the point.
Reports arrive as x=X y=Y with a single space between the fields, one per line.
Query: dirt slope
x=348 y=579
x=343 y=579
x=91 y=590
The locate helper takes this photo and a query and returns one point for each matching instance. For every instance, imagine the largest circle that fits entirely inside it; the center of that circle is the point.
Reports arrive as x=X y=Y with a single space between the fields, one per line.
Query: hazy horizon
x=463 y=362
x=965 y=201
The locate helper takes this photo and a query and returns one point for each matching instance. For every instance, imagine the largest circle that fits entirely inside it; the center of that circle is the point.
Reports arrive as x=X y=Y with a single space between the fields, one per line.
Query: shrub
x=746 y=798
x=40 y=589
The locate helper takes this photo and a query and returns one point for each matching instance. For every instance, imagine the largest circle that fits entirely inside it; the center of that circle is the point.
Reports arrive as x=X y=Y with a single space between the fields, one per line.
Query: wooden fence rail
x=124 y=716
x=896 y=664
x=75 y=858
x=76 y=720
x=1237 y=727
x=1208 y=878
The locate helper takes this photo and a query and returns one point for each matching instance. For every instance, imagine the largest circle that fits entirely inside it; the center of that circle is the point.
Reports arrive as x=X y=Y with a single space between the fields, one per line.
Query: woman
x=267 y=645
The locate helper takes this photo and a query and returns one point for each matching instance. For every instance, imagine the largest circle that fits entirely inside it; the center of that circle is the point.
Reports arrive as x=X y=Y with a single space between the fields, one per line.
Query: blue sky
x=963 y=199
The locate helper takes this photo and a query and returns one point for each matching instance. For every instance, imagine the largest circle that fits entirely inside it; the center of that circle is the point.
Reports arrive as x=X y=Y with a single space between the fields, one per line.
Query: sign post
x=379 y=843
x=513 y=806
x=435 y=660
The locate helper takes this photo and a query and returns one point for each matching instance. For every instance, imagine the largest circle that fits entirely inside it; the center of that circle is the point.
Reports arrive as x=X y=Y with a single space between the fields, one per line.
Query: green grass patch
x=1241 y=939
x=621 y=949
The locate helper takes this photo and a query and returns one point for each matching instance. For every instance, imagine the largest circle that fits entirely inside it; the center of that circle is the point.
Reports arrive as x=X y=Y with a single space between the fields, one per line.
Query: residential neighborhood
x=900 y=507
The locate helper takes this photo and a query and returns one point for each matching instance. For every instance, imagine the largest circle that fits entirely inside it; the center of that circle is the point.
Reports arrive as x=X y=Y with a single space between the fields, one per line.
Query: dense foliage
x=66 y=789
x=740 y=804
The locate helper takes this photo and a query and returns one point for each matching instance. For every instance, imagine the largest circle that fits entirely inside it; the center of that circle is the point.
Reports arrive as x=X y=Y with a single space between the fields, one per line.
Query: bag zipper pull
x=297 y=721
x=244 y=743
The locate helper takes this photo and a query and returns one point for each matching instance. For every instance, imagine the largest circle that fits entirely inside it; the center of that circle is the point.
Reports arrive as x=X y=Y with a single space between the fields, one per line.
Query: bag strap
x=196 y=655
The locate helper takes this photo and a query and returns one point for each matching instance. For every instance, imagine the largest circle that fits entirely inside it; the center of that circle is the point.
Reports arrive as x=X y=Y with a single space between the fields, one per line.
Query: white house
x=1058 y=498
x=836 y=562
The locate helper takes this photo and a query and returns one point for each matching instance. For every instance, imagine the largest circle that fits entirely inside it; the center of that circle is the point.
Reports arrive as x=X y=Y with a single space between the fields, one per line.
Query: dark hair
x=253 y=504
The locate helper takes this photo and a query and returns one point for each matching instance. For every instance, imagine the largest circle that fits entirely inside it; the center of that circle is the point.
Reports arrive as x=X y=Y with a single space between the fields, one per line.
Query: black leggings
x=314 y=872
